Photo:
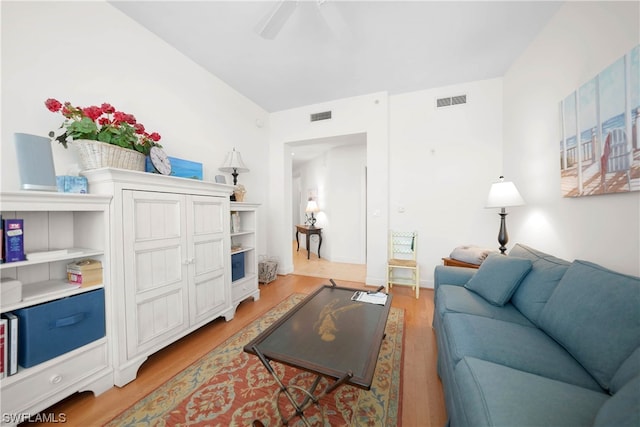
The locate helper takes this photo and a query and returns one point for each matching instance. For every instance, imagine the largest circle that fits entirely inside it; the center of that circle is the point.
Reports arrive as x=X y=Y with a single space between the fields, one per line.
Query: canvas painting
x=599 y=151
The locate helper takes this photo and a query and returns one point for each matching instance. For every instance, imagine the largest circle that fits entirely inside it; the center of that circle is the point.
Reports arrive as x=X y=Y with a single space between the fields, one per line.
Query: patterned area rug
x=228 y=387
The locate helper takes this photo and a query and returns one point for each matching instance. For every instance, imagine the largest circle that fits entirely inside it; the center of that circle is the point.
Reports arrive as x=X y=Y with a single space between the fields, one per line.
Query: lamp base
x=312 y=221
x=503 y=237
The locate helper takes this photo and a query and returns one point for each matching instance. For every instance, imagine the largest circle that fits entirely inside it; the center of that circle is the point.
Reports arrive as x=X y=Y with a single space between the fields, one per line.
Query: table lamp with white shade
x=503 y=194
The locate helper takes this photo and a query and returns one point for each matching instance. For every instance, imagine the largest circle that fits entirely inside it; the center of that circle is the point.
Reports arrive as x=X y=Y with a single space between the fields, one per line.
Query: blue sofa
x=529 y=339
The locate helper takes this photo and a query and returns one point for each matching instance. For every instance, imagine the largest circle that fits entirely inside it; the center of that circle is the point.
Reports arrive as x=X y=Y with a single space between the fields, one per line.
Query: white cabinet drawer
x=54 y=377
x=239 y=290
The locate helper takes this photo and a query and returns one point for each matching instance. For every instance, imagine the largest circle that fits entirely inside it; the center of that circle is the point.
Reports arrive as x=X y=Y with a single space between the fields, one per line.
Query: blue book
x=13 y=240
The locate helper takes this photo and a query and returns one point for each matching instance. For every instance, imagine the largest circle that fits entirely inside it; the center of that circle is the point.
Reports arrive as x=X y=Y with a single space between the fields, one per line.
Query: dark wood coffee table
x=329 y=335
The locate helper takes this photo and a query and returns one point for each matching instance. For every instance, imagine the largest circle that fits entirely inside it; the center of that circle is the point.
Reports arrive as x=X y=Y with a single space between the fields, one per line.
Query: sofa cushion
x=496 y=395
x=538 y=285
x=519 y=347
x=498 y=277
x=623 y=409
x=457 y=299
x=594 y=314
x=628 y=369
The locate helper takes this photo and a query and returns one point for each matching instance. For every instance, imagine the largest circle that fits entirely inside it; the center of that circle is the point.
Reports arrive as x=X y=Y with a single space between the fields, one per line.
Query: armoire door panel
x=157 y=219
x=209 y=296
x=158 y=317
x=158 y=268
x=155 y=255
x=207 y=215
x=209 y=256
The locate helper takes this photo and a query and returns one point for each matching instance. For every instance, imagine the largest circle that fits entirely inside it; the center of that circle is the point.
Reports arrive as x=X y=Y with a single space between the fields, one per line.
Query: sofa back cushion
x=628 y=369
x=593 y=313
x=536 y=288
x=621 y=410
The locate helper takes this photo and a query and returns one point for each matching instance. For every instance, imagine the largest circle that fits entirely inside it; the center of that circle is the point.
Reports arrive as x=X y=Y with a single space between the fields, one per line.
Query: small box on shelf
x=54 y=328
x=86 y=272
x=237 y=266
x=72 y=184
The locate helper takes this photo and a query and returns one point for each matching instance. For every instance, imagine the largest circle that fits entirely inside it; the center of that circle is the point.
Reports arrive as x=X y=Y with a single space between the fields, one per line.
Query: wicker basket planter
x=96 y=154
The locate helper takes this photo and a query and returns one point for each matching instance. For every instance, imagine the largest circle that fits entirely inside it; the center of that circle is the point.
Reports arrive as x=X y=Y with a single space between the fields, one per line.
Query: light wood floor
x=320 y=267
x=422 y=402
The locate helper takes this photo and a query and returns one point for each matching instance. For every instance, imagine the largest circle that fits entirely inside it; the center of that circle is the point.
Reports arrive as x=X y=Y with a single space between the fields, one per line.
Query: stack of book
x=8 y=344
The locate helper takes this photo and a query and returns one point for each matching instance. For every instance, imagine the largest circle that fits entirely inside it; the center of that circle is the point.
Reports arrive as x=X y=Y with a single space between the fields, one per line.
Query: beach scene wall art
x=599 y=147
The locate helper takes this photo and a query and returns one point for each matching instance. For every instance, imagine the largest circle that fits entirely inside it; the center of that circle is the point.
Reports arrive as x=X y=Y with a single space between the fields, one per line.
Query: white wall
x=88 y=53
x=581 y=40
x=365 y=114
x=346 y=203
x=442 y=163
x=438 y=168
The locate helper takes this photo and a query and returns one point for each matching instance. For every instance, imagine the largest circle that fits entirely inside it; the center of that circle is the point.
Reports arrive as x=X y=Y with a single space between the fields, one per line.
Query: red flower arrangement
x=104 y=124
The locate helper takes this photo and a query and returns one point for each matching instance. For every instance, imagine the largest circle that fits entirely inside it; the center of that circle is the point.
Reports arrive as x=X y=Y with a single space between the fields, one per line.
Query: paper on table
x=379 y=298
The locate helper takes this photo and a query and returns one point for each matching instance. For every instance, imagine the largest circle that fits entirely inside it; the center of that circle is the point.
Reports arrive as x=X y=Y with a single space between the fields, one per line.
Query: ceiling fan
x=275 y=20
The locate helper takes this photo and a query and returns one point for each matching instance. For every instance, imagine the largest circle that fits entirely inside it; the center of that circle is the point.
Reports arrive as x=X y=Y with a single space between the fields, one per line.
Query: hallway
x=320 y=267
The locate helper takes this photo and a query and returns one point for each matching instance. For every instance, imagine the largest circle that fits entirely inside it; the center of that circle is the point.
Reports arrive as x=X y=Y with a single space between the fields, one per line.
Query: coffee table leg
x=309 y=397
x=283 y=389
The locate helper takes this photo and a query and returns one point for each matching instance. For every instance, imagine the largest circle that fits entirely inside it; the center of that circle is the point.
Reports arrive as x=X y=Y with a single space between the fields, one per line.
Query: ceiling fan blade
x=276 y=19
x=334 y=19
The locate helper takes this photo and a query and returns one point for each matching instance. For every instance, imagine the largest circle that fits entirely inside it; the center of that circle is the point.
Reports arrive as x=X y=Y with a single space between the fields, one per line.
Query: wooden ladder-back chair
x=403 y=249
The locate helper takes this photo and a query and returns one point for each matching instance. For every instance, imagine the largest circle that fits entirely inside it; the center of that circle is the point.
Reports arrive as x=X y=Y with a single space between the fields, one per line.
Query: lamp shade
x=312 y=207
x=503 y=194
x=234 y=163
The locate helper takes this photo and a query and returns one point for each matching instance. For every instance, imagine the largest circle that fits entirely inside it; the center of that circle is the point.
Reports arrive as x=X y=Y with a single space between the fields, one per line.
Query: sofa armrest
x=449 y=275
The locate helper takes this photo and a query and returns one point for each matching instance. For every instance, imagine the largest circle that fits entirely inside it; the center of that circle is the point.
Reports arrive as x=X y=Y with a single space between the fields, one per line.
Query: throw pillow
x=498 y=277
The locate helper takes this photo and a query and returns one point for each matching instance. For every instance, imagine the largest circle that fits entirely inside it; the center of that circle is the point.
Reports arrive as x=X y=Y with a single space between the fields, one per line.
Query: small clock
x=160 y=160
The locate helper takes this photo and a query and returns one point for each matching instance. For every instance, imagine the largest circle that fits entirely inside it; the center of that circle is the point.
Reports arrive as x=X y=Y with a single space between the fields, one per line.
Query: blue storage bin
x=54 y=328
x=237 y=266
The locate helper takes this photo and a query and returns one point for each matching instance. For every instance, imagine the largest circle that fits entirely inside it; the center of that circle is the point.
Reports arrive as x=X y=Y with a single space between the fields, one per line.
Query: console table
x=309 y=231
x=457 y=263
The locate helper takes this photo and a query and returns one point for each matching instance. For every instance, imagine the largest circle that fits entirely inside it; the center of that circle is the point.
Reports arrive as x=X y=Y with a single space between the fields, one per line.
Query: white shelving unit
x=244 y=240
x=60 y=228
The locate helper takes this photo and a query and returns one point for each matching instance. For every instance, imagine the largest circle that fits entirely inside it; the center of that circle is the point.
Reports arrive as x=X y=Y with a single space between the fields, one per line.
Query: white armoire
x=170 y=260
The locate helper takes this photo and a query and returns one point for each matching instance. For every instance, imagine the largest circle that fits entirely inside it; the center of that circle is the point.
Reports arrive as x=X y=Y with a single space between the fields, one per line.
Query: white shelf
x=72 y=253
x=59 y=228
x=242 y=233
x=241 y=250
x=246 y=238
x=39 y=292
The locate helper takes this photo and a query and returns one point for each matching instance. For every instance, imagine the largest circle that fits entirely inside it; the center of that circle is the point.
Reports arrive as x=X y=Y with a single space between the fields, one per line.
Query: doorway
x=332 y=171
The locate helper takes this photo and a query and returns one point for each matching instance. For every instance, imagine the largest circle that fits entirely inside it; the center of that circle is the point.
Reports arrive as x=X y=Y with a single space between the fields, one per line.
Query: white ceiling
x=331 y=49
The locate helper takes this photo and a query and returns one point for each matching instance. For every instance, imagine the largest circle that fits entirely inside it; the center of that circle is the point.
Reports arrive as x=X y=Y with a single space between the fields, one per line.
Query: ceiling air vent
x=451 y=100
x=325 y=115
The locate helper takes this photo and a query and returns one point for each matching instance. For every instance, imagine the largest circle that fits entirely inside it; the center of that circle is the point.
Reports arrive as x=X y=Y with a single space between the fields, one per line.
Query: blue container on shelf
x=237 y=266
x=48 y=330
